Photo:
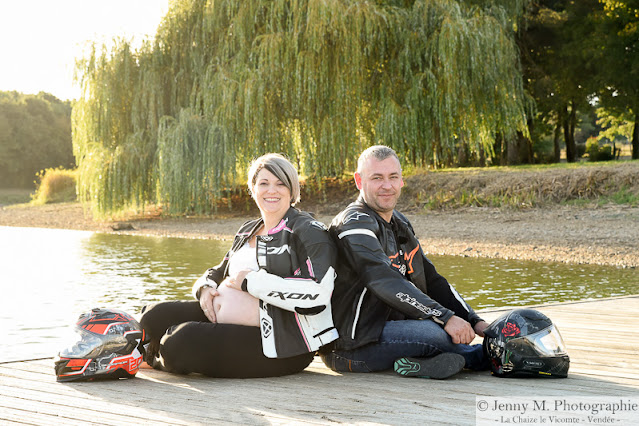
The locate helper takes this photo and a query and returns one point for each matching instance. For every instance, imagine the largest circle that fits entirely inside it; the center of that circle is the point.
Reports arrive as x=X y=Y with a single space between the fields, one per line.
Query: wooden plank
x=603 y=363
x=18 y=416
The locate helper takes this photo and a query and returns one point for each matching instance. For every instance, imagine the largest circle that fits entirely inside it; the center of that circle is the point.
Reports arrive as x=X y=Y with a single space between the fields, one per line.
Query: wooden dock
x=602 y=338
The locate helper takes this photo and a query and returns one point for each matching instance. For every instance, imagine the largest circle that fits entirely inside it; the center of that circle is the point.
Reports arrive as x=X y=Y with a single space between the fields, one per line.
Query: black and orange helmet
x=106 y=344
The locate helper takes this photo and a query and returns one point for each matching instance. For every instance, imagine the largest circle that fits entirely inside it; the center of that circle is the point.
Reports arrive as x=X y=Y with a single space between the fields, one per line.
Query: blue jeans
x=407 y=338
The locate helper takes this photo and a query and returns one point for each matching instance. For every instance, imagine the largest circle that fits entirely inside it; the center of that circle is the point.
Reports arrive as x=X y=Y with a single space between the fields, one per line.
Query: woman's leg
x=223 y=350
x=157 y=318
x=182 y=340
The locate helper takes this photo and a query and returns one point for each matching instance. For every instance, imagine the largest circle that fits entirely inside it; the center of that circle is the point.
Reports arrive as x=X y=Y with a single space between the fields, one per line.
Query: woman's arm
x=205 y=280
x=302 y=295
x=205 y=288
x=215 y=275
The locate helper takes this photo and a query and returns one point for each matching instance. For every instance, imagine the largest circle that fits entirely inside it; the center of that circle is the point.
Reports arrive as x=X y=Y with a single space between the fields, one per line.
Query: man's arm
x=441 y=290
x=361 y=248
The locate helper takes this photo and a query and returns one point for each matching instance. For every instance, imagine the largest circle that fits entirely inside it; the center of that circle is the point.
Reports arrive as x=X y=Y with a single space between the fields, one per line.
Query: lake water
x=49 y=277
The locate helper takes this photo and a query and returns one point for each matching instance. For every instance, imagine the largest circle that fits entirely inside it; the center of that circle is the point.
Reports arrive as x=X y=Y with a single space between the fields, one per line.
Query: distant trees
x=618 y=62
x=178 y=120
x=444 y=82
x=35 y=133
x=578 y=56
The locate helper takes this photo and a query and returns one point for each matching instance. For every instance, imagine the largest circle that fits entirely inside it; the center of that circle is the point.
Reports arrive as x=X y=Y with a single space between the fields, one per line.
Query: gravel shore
x=606 y=235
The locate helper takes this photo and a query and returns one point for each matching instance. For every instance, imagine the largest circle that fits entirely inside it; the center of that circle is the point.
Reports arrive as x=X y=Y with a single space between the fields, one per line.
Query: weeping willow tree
x=178 y=120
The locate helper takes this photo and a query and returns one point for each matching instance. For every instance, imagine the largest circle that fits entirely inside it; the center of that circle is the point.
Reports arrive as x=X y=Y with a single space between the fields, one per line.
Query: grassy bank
x=587 y=184
x=525 y=186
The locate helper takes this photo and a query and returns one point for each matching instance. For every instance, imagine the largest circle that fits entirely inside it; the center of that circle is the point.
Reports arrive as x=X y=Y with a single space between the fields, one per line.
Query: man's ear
x=358 y=180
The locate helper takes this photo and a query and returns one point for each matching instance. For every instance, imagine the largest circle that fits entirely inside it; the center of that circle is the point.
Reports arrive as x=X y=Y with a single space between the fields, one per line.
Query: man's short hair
x=379 y=152
x=281 y=168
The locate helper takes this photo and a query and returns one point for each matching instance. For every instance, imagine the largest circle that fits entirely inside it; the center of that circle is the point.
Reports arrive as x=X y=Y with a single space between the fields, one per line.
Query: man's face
x=380 y=183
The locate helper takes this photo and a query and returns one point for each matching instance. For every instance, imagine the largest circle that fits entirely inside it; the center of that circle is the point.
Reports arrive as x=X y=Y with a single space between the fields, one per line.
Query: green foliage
x=190 y=140
x=615 y=126
x=617 y=57
x=55 y=186
x=596 y=152
x=626 y=196
x=543 y=151
x=581 y=149
x=35 y=133
x=579 y=53
x=178 y=121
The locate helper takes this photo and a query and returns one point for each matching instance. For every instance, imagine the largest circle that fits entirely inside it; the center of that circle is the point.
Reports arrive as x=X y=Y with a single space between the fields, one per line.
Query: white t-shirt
x=243 y=259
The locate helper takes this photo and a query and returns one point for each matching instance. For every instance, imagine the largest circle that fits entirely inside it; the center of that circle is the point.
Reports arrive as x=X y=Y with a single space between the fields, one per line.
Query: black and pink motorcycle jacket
x=294 y=283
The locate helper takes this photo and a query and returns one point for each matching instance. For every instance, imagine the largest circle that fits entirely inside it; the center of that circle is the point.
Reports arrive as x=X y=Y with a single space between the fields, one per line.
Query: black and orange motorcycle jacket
x=383 y=274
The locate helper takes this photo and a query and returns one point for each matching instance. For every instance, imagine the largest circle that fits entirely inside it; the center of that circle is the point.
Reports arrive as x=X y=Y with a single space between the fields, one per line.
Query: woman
x=265 y=309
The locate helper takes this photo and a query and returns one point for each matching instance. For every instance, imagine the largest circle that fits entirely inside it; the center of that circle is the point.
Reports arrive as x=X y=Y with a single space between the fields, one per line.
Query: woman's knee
x=156 y=318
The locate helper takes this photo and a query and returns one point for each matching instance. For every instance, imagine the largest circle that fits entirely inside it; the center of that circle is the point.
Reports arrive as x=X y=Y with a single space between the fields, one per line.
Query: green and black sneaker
x=439 y=366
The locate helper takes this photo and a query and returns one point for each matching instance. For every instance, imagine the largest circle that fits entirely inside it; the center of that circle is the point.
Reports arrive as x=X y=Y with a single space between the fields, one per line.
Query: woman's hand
x=236 y=281
x=207 y=294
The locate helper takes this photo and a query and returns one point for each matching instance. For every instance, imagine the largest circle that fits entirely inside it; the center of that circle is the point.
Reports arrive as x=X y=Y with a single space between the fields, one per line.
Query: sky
x=41 y=39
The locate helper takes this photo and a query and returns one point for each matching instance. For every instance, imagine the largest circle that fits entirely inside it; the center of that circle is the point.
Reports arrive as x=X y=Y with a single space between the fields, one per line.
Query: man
x=391 y=307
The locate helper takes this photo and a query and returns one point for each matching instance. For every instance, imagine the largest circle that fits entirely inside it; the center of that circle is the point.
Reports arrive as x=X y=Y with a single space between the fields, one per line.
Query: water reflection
x=49 y=277
x=488 y=283
x=146 y=269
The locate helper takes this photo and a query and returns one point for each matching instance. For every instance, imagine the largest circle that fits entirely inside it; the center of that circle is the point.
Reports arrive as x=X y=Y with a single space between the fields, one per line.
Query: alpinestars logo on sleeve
x=403 y=297
x=320 y=225
x=354 y=216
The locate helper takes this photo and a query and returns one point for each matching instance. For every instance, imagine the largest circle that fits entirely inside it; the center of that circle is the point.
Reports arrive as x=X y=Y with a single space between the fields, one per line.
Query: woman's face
x=272 y=197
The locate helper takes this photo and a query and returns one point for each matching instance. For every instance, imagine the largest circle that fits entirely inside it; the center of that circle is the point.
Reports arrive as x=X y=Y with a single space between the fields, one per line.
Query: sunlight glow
x=41 y=39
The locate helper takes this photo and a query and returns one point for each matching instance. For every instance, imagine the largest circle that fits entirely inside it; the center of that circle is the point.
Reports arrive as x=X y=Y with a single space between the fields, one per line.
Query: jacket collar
x=254 y=226
x=394 y=218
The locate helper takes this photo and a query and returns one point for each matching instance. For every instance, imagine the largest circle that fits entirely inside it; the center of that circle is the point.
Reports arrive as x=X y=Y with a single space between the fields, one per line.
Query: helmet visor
x=545 y=343
x=85 y=344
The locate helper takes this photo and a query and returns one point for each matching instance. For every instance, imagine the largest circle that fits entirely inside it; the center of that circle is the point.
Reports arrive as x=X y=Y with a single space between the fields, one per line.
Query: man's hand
x=480 y=327
x=207 y=294
x=459 y=330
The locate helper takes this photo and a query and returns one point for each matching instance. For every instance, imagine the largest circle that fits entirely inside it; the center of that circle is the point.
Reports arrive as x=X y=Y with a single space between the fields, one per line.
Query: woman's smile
x=272 y=197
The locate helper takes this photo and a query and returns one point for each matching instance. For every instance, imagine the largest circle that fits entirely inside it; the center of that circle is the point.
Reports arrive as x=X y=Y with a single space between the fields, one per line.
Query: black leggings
x=182 y=340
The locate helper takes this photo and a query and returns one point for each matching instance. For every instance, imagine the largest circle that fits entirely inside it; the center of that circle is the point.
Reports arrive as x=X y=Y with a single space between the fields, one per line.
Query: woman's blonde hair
x=281 y=168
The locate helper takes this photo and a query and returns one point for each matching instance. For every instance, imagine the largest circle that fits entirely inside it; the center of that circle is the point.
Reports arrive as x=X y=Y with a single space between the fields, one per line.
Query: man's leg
x=400 y=339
